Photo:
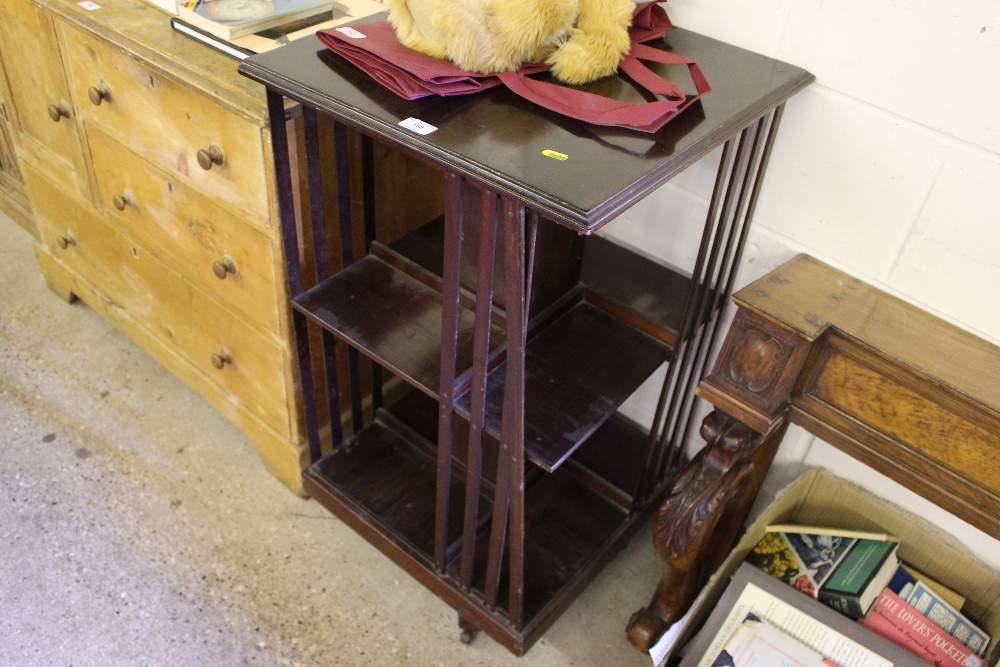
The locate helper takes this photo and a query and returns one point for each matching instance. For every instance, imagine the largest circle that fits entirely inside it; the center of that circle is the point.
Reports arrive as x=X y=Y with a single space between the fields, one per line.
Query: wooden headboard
x=901 y=390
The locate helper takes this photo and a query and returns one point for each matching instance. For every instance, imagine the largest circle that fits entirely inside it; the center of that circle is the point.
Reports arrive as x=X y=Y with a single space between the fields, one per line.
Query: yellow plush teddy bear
x=583 y=40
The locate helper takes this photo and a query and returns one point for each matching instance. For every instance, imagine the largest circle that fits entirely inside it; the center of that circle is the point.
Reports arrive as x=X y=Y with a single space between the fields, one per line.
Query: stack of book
x=861 y=576
x=241 y=28
x=760 y=622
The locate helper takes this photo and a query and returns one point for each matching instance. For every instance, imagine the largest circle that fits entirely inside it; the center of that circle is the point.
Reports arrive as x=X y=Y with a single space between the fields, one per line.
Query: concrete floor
x=138 y=527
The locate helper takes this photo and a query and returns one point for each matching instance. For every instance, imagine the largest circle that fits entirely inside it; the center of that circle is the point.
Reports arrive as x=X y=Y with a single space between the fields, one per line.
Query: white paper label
x=89 y=5
x=351 y=32
x=418 y=126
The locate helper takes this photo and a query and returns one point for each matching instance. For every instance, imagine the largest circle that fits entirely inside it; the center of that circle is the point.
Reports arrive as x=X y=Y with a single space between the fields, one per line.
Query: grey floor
x=138 y=527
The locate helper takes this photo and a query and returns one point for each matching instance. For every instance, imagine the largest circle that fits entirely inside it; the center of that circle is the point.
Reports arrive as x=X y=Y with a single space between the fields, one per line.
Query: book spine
x=209 y=39
x=893 y=618
x=854 y=583
x=930 y=604
x=848 y=605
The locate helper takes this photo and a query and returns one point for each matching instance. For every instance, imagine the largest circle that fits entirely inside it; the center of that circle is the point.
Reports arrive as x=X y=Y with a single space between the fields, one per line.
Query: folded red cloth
x=375 y=49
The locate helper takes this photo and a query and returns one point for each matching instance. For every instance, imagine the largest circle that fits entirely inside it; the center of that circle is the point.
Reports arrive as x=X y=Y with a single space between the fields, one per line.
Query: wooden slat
x=449 y=350
x=484 y=307
x=512 y=429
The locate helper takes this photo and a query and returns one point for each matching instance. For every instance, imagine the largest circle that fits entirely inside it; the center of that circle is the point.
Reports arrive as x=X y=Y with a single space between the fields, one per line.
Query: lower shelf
x=382 y=484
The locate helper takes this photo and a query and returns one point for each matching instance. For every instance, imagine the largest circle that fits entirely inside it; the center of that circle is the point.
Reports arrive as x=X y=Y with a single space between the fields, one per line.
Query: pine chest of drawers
x=147 y=161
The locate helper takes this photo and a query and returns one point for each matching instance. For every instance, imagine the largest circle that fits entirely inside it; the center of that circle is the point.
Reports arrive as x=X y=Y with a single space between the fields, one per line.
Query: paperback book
x=922 y=598
x=753 y=594
x=907 y=574
x=896 y=620
x=844 y=572
x=230 y=19
x=755 y=643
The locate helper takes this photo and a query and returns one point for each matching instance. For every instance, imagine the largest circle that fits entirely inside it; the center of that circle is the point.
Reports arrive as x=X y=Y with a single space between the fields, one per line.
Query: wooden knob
x=124 y=199
x=225 y=267
x=221 y=358
x=58 y=112
x=206 y=158
x=66 y=240
x=98 y=95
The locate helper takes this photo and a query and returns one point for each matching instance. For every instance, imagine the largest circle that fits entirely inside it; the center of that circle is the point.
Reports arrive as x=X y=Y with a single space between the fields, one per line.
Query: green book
x=862 y=574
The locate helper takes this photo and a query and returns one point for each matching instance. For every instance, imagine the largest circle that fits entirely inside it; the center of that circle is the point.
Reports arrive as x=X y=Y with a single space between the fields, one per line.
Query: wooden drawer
x=134 y=281
x=210 y=247
x=49 y=134
x=168 y=124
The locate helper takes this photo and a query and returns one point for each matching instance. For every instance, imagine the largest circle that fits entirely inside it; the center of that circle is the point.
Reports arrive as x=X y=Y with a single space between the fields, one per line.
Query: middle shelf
x=581 y=366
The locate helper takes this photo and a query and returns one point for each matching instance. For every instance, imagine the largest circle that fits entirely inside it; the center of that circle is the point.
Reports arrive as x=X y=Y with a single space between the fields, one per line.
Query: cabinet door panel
x=46 y=117
x=171 y=126
x=208 y=246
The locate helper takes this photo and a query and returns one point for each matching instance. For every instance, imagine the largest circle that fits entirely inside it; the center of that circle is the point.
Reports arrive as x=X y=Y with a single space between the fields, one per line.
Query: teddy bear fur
x=583 y=40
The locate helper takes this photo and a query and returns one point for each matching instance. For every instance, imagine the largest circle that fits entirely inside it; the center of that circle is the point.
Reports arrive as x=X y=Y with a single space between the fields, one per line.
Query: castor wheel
x=469 y=631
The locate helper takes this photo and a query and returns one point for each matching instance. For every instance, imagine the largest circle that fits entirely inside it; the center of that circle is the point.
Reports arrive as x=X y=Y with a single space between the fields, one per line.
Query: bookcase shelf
x=395 y=320
x=580 y=369
x=382 y=482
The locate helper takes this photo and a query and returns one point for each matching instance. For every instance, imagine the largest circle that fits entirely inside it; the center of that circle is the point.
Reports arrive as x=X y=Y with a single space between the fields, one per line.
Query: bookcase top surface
x=499 y=138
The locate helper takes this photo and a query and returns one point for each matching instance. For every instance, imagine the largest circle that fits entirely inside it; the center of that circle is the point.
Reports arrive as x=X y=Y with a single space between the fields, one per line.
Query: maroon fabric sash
x=375 y=49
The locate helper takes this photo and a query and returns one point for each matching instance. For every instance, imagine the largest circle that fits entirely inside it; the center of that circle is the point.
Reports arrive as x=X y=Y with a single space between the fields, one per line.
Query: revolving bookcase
x=481 y=358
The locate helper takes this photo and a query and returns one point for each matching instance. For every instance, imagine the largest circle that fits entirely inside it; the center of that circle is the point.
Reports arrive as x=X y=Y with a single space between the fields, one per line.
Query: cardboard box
x=822 y=499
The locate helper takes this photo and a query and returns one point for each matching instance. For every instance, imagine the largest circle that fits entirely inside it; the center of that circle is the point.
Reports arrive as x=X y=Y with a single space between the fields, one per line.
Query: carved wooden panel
x=756 y=370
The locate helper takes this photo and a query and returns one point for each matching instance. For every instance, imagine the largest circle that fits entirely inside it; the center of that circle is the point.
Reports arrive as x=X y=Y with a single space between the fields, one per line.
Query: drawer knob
x=66 y=240
x=206 y=158
x=225 y=267
x=58 y=112
x=98 y=95
x=124 y=199
x=221 y=358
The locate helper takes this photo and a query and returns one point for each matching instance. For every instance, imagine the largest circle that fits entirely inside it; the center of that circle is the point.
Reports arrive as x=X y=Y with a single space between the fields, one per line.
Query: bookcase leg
x=469 y=631
x=697 y=525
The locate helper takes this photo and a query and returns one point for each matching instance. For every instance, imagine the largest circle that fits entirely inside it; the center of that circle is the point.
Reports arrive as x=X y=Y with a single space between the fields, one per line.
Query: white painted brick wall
x=887 y=167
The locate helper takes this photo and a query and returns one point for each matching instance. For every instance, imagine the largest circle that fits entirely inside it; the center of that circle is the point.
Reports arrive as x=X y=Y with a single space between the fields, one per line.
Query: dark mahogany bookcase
x=481 y=358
